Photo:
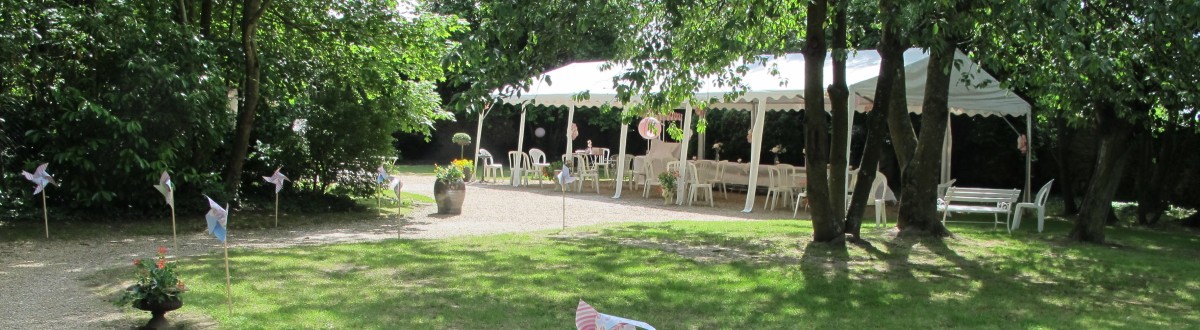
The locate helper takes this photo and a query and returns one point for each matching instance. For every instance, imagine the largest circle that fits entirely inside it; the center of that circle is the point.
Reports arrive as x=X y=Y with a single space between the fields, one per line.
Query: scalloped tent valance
x=973 y=91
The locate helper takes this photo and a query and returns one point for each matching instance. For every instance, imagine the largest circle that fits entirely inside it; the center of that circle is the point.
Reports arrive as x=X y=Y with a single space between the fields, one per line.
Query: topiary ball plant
x=462 y=140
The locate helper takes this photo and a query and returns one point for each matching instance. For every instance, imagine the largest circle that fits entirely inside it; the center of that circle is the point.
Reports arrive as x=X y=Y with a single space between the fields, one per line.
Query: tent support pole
x=478 y=139
x=1028 y=154
x=570 y=120
x=681 y=185
x=618 y=181
x=756 y=132
x=521 y=131
x=947 y=151
x=849 y=140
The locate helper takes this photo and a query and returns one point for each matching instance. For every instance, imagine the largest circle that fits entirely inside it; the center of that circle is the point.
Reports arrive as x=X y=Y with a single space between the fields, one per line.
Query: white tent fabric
x=778 y=85
x=784 y=91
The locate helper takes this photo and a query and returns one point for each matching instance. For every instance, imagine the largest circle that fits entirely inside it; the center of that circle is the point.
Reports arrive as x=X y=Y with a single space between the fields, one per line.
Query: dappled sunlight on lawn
x=698 y=275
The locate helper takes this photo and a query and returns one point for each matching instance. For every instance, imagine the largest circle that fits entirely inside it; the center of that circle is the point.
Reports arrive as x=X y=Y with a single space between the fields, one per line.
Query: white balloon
x=539 y=132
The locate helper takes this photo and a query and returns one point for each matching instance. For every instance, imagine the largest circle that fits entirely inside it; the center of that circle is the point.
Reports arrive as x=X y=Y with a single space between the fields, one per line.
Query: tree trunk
x=890 y=65
x=181 y=15
x=825 y=226
x=252 y=10
x=206 y=8
x=918 y=208
x=839 y=95
x=904 y=138
x=1066 y=176
x=1111 y=158
x=1160 y=160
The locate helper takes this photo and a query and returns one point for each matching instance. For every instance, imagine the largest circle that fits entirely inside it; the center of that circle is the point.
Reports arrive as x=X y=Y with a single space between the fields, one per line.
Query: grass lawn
x=709 y=275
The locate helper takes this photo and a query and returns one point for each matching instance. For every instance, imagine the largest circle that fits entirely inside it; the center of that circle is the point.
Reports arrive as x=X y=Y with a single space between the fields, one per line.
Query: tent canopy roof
x=972 y=90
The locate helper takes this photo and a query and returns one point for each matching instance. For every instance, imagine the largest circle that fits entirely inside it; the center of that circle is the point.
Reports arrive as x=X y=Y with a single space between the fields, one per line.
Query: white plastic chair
x=878 y=198
x=516 y=163
x=778 y=185
x=585 y=170
x=538 y=163
x=651 y=169
x=1039 y=204
x=490 y=168
x=718 y=178
x=605 y=161
x=695 y=185
x=800 y=190
x=631 y=171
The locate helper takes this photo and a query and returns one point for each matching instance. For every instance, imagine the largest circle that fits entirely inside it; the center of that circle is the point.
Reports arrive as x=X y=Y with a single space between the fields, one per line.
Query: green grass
x=413 y=169
x=191 y=223
x=710 y=275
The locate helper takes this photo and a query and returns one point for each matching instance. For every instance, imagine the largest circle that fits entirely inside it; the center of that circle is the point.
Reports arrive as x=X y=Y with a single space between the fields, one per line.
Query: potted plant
x=157 y=290
x=462 y=140
x=449 y=191
x=717 y=148
x=466 y=166
x=667 y=180
x=552 y=170
x=777 y=150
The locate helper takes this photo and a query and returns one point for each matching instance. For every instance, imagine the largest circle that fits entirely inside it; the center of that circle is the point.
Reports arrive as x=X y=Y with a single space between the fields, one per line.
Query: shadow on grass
x=534 y=282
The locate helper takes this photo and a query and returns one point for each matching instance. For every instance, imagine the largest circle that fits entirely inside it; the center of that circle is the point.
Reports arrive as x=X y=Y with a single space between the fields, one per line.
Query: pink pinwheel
x=39 y=177
x=277 y=179
x=216 y=218
x=167 y=188
x=395 y=186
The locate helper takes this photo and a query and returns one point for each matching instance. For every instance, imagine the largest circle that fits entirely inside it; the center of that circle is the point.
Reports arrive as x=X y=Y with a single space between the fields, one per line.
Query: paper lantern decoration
x=574 y=130
x=649 y=128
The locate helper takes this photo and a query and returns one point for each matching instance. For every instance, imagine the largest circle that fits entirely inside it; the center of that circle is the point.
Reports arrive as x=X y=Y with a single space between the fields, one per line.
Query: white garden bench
x=979 y=200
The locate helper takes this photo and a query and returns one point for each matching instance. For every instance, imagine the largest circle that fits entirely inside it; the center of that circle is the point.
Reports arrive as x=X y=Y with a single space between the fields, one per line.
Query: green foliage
x=461 y=139
x=510 y=41
x=368 y=72
x=110 y=96
x=113 y=93
x=157 y=282
x=668 y=180
x=448 y=174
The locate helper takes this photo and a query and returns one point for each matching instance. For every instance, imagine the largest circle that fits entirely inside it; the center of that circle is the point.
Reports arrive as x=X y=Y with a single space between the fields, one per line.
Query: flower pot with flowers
x=158 y=289
x=777 y=150
x=449 y=191
x=466 y=166
x=717 y=148
x=668 y=180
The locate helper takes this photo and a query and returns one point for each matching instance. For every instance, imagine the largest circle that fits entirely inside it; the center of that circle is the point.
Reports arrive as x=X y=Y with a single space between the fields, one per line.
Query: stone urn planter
x=158 y=311
x=449 y=196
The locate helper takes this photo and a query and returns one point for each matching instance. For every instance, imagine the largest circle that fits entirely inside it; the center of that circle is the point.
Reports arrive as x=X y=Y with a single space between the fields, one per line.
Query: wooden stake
x=45 y=214
x=564 y=208
x=174 y=234
x=228 y=287
x=277 y=210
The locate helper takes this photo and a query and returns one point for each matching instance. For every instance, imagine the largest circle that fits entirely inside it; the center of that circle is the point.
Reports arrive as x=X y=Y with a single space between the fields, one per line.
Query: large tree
x=252 y=11
x=114 y=93
x=1118 y=67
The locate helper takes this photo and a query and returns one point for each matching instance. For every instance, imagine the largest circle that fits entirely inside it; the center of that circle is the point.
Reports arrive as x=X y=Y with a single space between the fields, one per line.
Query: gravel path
x=41 y=286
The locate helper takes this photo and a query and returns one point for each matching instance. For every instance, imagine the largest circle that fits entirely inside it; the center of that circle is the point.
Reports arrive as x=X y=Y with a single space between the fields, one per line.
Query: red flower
x=137 y=262
x=162 y=263
x=162 y=249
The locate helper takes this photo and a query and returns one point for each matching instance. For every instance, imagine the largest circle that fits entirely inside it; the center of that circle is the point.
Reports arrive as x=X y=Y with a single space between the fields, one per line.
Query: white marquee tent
x=973 y=92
